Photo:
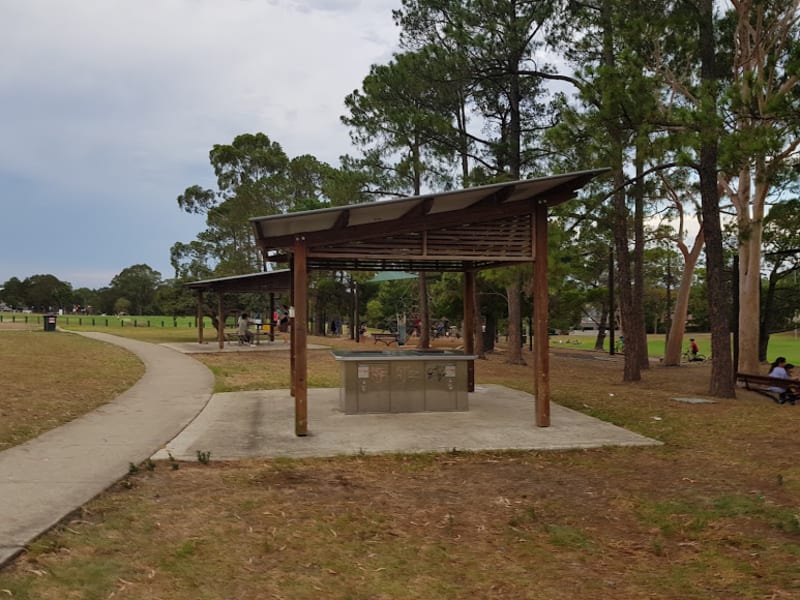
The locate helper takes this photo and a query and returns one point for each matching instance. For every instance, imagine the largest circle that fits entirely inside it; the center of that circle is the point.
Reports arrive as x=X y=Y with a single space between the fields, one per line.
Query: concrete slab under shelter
x=260 y=424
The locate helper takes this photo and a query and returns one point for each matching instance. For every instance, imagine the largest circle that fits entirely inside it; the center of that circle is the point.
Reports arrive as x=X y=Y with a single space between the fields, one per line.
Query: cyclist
x=693 y=349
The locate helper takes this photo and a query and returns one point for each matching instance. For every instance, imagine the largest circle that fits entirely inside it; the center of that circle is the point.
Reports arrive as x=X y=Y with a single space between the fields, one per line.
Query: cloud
x=165 y=84
x=114 y=106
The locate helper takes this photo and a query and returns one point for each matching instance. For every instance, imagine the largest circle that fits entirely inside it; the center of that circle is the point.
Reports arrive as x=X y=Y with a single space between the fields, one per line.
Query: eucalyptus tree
x=782 y=260
x=255 y=177
x=193 y=260
x=251 y=180
x=172 y=299
x=13 y=293
x=695 y=58
x=46 y=292
x=138 y=284
x=761 y=145
x=735 y=72
x=684 y=205
x=350 y=183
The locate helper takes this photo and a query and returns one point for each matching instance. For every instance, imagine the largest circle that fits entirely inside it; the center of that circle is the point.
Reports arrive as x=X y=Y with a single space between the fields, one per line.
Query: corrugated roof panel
x=385 y=211
x=376 y=212
x=459 y=201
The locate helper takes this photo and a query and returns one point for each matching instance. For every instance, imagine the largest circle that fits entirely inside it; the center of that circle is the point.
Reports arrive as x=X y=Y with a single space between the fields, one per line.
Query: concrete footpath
x=44 y=480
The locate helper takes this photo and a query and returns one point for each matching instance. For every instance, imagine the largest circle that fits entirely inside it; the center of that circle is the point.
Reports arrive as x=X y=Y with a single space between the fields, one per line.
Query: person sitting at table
x=245 y=335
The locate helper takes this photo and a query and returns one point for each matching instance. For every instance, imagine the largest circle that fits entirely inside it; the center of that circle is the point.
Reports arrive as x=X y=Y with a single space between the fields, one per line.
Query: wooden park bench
x=761 y=384
x=386 y=338
x=232 y=335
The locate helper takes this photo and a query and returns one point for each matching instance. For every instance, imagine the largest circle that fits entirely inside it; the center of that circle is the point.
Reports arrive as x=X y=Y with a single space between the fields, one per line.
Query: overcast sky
x=108 y=109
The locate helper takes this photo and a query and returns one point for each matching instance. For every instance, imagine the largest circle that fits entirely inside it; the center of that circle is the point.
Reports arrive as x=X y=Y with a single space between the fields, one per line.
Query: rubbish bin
x=49 y=322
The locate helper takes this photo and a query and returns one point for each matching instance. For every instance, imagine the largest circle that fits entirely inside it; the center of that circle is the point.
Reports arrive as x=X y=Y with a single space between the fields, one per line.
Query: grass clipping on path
x=714 y=513
x=50 y=378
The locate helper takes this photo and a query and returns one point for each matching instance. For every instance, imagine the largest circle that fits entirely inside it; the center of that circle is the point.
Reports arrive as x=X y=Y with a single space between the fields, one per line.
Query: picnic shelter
x=462 y=231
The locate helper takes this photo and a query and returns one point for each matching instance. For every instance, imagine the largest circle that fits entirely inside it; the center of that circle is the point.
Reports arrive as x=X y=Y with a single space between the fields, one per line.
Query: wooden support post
x=290 y=331
x=292 y=351
x=199 y=316
x=272 y=322
x=220 y=321
x=541 y=341
x=299 y=335
x=469 y=326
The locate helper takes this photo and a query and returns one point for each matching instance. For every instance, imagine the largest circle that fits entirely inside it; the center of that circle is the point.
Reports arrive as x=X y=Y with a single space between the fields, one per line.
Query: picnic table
x=386 y=338
x=232 y=335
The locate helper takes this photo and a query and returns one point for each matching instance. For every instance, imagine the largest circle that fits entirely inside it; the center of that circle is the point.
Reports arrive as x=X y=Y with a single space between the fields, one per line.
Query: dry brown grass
x=50 y=378
x=714 y=513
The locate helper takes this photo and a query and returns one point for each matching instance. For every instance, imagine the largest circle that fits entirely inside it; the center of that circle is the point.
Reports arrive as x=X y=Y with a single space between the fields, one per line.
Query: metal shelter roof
x=392 y=276
x=266 y=282
x=462 y=230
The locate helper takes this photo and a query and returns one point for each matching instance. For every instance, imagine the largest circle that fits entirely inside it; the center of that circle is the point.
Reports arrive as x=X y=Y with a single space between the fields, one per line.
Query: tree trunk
x=767 y=319
x=601 y=329
x=722 y=380
x=672 y=354
x=637 y=309
x=424 y=313
x=490 y=334
x=749 y=295
x=320 y=318
x=478 y=323
x=514 y=356
x=632 y=369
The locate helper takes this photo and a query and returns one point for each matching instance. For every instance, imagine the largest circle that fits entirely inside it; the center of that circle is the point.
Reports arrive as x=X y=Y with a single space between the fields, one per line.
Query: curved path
x=46 y=479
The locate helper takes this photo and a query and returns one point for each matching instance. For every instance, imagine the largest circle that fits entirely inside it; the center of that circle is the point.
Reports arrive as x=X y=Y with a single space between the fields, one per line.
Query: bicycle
x=687 y=356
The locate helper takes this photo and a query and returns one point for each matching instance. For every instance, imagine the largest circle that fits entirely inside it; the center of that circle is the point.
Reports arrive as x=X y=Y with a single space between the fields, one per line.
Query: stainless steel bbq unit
x=403 y=381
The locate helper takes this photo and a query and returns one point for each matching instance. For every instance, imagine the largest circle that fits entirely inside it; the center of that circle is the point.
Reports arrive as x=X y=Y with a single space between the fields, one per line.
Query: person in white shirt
x=780 y=369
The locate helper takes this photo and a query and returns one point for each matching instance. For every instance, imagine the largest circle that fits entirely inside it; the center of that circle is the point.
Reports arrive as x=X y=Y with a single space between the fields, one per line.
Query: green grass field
x=153 y=328
x=781 y=344
x=163 y=328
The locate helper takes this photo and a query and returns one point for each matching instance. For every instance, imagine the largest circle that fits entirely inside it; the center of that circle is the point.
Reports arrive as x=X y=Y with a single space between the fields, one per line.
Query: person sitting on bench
x=245 y=335
x=780 y=369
